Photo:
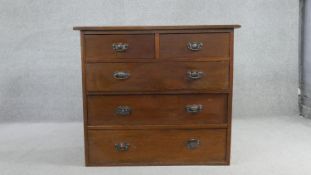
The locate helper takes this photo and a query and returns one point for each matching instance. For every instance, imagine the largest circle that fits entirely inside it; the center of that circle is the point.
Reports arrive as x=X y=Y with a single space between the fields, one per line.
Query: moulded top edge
x=125 y=28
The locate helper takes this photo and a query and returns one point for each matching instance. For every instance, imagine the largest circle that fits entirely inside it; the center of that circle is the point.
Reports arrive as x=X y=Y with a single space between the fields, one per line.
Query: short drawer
x=99 y=47
x=164 y=146
x=157 y=76
x=201 y=45
x=157 y=109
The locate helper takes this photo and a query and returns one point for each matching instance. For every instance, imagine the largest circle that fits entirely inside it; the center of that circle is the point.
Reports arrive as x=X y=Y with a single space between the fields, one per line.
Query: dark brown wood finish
x=157 y=109
x=157 y=146
x=146 y=127
x=100 y=46
x=230 y=99
x=140 y=32
x=160 y=76
x=175 y=45
x=84 y=96
x=157 y=90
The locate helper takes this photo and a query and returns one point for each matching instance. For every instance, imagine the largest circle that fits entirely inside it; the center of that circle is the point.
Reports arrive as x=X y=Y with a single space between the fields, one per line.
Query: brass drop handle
x=193 y=143
x=195 y=46
x=195 y=108
x=194 y=75
x=121 y=147
x=121 y=75
x=120 y=47
x=123 y=110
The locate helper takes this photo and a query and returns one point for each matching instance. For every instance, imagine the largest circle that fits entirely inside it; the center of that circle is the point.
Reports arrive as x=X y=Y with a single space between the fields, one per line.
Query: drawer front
x=157 y=76
x=197 y=146
x=157 y=109
x=201 y=45
x=98 y=47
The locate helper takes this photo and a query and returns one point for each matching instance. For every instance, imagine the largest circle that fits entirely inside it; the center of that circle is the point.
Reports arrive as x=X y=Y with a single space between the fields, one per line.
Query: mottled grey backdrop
x=40 y=75
x=306 y=60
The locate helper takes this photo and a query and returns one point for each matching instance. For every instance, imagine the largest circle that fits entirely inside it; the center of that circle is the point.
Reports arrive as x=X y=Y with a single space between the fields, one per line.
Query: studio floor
x=260 y=146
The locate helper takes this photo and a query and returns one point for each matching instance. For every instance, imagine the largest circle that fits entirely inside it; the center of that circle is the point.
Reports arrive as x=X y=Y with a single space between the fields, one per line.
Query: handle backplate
x=195 y=108
x=194 y=75
x=120 y=47
x=123 y=110
x=121 y=75
x=193 y=143
x=121 y=147
x=195 y=46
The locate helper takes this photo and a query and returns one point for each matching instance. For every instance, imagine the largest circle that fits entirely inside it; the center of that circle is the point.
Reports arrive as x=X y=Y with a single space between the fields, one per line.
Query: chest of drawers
x=157 y=95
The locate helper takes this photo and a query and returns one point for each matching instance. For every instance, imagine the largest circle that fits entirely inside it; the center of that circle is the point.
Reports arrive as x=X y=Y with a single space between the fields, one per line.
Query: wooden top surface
x=108 y=28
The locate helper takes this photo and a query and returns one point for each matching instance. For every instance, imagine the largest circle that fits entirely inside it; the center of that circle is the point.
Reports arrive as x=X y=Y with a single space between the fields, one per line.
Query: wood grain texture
x=157 y=45
x=84 y=96
x=157 y=147
x=157 y=91
x=157 y=109
x=230 y=96
x=175 y=45
x=135 y=32
x=161 y=76
x=147 y=127
x=99 y=47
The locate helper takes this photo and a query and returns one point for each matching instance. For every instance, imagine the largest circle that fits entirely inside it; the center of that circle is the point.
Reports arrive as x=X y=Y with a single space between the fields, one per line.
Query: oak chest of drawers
x=157 y=95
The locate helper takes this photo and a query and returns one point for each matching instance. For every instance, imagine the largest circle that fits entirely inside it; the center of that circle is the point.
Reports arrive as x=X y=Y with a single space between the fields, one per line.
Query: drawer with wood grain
x=162 y=146
x=157 y=109
x=101 y=47
x=157 y=76
x=199 y=45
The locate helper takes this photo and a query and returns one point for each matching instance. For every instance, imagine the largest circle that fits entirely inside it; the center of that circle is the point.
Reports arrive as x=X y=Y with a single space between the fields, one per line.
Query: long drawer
x=157 y=109
x=163 y=76
x=177 y=146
